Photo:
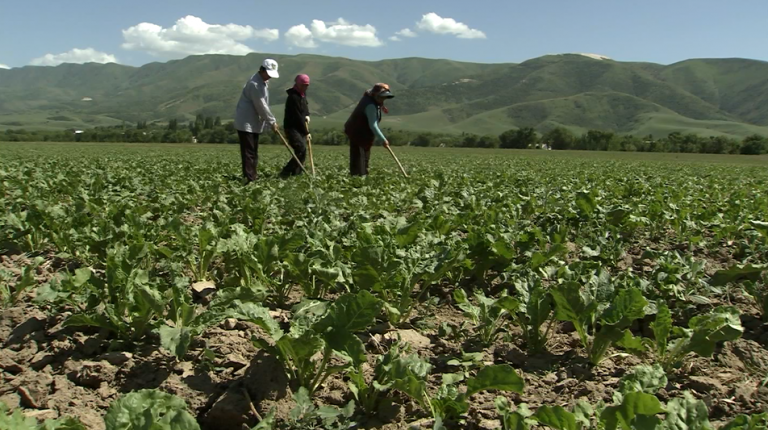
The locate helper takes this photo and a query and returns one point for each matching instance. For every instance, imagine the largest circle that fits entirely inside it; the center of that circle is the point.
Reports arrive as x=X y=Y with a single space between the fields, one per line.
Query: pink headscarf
x=301 y=80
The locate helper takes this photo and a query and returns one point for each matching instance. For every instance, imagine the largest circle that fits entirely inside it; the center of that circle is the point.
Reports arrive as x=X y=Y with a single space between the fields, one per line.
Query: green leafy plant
x=305 y=415
x=18 y=421
x=126 y=300
x=535 y=309
x=748 y=422
x=488 y=315
x=449 y=404
x=382 y=267
x=394 y=371
x=311 y=273
x=520 y=417
x=672 y=344
x=328 y=333
x=149 y=409
x=585 y=310
x=10 y=296
x=751 y=277
x=185 y=321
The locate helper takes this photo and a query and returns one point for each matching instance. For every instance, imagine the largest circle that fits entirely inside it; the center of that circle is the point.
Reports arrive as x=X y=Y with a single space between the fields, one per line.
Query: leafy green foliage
x=149 y=409
x=394 y=371
x=10 y=296
x=488 y=315
x=16 y=420
x=752 y=277
x=329 y=333
x=703 y=334
x=535 y=309
x=305 y=415
x=748 y=422
x=635 y=408
x=324 y=268
x=449 y=404
x=687 y=413
x=585 y=308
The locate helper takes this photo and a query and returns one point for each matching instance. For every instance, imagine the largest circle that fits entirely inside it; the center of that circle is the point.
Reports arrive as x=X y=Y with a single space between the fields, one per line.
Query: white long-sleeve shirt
x=252 y=113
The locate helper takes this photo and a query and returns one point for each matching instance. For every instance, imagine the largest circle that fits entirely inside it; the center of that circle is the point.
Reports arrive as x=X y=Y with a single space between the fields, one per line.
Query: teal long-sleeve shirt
x=373 y=122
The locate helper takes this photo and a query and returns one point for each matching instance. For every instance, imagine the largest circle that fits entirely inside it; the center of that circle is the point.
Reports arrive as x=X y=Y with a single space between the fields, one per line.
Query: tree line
x=206 y=129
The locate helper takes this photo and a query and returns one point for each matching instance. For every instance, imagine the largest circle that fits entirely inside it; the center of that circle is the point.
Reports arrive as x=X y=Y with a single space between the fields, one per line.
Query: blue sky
x=48 y=32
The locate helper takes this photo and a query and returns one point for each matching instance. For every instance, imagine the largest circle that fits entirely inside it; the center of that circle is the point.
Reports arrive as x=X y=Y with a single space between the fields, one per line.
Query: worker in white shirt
x=252 y=116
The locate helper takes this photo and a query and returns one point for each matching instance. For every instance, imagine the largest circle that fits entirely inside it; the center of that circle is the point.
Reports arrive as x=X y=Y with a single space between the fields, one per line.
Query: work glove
x=307 y=118
x=309 y=136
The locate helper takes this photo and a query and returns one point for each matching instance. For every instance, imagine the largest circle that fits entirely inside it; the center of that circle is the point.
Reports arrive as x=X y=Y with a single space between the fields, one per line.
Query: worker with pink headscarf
x=296 y=122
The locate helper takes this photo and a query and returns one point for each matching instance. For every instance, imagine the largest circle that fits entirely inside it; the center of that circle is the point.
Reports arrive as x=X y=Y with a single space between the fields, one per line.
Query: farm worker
x=295 y=123
x=252 y=116
x=362 y=128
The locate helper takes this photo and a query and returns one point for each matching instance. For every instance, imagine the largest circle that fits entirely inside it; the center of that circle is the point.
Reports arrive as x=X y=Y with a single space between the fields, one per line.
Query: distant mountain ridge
x=577 y=91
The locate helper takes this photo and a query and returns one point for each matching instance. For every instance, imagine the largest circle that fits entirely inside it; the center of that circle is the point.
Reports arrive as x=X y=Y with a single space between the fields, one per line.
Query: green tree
x=520 y=138
x=332 y=138
x=469 y=141
x=754 y=145
x=717 y=145
x=423 y=140
x=596 y=140
x=630 y=143
x=559 y=138
x=488 y=141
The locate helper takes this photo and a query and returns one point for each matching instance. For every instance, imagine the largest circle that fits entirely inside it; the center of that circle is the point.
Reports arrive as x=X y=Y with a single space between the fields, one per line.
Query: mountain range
x=576 y=91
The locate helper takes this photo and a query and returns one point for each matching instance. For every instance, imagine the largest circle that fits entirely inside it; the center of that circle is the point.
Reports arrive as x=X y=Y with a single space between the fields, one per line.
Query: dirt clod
x=32 y=397
x=91 y=374
x=9 y=365
x=411 y=337
x=117 y=358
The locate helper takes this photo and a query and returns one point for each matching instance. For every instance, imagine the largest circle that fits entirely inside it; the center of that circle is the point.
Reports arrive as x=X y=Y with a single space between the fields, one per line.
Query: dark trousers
x=299 y=145
x=249 y=154
x=359 y=157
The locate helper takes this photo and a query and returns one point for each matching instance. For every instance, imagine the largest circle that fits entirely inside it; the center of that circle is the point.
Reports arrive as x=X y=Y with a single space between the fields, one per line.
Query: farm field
x=492 y=289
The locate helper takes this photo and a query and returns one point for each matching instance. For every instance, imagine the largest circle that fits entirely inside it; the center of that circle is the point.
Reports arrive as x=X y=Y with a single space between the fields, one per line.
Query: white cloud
x=78 y=56
x=406 y=32
x=191 y=36
x=3 y=66
x=340 y=32
x=395 y=39
x=434 y=23
x=299 y=35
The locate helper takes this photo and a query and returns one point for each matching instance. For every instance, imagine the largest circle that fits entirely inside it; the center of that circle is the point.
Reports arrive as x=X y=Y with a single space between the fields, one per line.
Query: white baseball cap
x=271 y=66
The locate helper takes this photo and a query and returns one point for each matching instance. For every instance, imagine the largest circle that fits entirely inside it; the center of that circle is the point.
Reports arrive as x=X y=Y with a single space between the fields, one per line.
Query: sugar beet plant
x=468 y=247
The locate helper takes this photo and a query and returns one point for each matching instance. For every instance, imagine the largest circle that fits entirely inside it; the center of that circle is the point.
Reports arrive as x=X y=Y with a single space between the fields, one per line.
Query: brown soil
x=50 y=371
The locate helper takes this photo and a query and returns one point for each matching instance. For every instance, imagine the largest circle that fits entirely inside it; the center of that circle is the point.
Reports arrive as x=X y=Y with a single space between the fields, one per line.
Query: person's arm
x=373 y=123
x=258 y=98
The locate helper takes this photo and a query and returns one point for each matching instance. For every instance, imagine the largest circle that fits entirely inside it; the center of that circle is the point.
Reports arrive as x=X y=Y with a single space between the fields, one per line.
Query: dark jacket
x=357 y=127
x=296 y=111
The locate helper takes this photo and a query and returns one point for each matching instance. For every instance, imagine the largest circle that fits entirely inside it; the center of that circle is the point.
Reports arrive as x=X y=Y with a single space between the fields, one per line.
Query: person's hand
x=307 y=118
x=275 y=127
x=309 y=136
x=386 y=144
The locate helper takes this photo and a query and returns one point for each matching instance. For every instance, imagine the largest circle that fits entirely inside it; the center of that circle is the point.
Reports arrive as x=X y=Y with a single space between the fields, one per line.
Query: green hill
x=723 y=96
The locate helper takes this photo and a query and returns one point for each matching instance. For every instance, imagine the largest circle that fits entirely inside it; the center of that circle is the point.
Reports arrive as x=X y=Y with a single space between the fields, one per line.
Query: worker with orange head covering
x=362 y=128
